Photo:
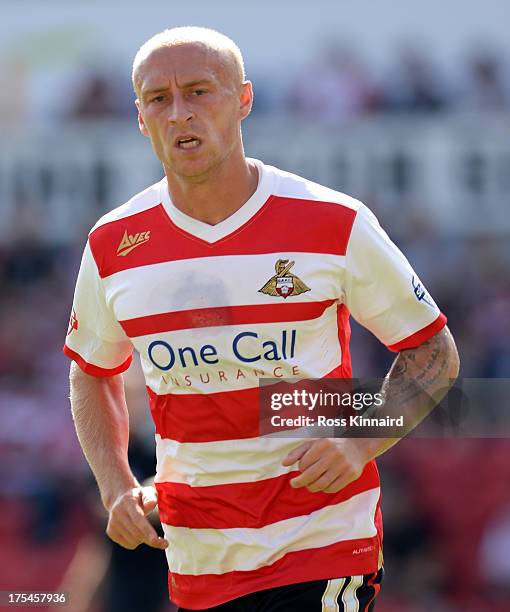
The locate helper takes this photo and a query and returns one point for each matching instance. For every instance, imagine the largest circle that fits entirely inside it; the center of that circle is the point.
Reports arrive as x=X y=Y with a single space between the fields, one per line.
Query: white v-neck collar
x=212 y=233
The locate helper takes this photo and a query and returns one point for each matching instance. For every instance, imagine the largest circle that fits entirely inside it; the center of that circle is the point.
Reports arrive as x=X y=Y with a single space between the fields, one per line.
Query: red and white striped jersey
x=212 y=309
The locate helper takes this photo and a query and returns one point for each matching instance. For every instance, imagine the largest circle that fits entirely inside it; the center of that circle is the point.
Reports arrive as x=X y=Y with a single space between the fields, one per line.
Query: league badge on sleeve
x=420 y=292
x=283 y=283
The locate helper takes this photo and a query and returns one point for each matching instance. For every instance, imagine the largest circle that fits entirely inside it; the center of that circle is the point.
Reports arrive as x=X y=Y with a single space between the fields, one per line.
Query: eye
x=159 y=98
x=199 y=92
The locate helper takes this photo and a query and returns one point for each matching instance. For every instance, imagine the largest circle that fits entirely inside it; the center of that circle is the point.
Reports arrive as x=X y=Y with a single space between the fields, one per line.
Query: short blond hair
x=211 y=39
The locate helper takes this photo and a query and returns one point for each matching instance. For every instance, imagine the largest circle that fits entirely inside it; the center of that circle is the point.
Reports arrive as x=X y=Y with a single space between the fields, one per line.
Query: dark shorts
x=350 y=594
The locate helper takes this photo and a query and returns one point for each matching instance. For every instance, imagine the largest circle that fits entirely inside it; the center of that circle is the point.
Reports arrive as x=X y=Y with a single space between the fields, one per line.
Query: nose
x=179 y=111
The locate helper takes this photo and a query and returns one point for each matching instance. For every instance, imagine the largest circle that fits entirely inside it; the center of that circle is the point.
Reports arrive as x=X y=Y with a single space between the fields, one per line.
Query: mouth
x=187 y=142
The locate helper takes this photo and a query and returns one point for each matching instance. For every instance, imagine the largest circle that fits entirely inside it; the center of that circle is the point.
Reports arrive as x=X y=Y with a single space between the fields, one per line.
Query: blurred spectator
x=487 y=89
x=96 y=98
x=336 y=87
x=14 y=101
x=414 y=85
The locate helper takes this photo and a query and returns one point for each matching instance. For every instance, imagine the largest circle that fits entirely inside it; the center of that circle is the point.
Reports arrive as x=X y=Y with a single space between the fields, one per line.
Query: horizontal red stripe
x=420 y=336
x=282 y=225
x=198 y=417
x=334 y=561
x=250 y=504
x=94 y=370
x=224 y=315
x=201 y=417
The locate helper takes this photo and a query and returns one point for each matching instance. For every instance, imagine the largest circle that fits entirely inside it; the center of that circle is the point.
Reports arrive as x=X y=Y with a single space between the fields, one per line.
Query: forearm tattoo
x=419 y=378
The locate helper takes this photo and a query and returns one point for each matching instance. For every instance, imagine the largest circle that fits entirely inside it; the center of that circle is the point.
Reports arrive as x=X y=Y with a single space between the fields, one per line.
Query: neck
x=219 y=194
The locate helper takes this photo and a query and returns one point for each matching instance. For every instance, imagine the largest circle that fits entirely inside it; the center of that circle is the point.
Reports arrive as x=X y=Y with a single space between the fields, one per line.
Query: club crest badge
x=283 y=283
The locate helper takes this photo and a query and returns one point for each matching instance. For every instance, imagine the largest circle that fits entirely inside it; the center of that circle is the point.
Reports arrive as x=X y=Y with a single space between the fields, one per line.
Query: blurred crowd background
x=424 y=142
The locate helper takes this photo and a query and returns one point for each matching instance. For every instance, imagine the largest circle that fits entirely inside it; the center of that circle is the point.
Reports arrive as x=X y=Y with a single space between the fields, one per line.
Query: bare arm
x=101 y=420
x=416 y=382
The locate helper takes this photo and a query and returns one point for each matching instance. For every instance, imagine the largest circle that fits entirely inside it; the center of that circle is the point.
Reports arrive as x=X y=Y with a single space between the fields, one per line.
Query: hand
x=127 y=522
x=328 y=464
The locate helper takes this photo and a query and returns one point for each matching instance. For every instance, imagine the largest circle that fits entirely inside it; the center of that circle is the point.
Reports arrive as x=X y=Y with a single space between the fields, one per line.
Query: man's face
x=190 y=104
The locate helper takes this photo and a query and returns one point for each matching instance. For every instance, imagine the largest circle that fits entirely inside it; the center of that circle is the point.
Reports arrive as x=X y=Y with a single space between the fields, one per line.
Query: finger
x=348 y=475
x=149 y=499
x=337 y=484
x=137 y=530
x=128 y=519
x=297 y=453
x=149 y=535
x=310 y=475
x=119 y=537
x=149 y=505
x=159 y=543
x=121 y=530
x=322 y=483
x=127 y=524
x=317 y=452
x=139 y=526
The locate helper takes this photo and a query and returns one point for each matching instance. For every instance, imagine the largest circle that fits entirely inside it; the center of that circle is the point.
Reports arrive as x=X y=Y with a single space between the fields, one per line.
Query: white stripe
x=203 y=464
x=330 y=597
x=317 y=351
x=293 y=186
x=218 y=551
x=210 y=282
x=349 y=597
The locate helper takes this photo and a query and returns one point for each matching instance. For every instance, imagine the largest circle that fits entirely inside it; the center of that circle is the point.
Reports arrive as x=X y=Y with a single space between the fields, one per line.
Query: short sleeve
x=95 y=340
x=382 y=291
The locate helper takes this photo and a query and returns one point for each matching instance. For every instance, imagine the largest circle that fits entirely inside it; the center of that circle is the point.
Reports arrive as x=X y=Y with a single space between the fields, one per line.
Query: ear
x=141 y=123
x=245 y=99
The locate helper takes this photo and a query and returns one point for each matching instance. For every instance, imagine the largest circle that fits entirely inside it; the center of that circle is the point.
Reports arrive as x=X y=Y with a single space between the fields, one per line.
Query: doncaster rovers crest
x=283 y=283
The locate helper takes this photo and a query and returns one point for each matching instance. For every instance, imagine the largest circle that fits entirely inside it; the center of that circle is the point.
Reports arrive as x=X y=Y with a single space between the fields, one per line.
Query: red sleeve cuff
x=95 y=370
x=420 y=336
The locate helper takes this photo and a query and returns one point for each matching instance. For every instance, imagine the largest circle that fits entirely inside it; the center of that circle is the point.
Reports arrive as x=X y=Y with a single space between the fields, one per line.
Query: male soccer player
x=224 y=272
